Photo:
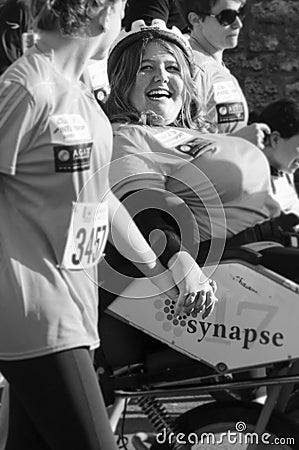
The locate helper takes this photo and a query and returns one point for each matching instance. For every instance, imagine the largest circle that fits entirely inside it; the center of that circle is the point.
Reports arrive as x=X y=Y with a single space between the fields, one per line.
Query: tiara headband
x=157 y=30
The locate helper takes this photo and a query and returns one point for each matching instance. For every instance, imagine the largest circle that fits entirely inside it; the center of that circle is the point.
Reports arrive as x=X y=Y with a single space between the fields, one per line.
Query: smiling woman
x=162 y=151
x=152 y=76
x=153 y=82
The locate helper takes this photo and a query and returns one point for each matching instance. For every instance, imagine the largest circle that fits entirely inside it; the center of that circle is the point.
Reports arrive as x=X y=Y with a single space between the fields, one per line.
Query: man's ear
x=194 y=19
x=104 y=18
x=274 y=138
x=101 y=21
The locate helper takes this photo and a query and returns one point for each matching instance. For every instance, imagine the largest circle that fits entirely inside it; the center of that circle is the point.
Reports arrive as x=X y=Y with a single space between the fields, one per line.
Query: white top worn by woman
x=49 y=161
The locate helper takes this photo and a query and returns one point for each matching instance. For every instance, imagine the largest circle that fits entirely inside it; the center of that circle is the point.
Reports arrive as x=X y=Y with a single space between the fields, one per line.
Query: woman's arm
x=254 y=133
x=130 y=243
x=167 y=223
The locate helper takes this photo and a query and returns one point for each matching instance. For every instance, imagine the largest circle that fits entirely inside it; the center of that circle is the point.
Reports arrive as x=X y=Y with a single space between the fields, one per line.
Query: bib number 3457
x=87 y=236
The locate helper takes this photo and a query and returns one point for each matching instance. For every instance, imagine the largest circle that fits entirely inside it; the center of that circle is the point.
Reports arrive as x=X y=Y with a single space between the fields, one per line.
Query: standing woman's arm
x=130 y=243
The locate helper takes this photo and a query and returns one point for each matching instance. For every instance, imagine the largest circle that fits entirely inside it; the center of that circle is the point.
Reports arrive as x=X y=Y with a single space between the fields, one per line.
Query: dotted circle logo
x=185 y=148
x=223 y=111
x=64 y=155
x=169 y=321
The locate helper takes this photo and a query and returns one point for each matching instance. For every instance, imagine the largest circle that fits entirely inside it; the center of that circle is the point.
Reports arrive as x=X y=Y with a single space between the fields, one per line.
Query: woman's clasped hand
x=196 y=291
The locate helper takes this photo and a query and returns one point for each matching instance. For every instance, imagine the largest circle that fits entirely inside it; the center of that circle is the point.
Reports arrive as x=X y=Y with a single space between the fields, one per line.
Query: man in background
x=147 y=10
x=14 y=21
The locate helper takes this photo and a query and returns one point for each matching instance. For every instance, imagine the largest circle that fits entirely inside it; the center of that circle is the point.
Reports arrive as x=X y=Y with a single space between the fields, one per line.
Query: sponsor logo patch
x=72 y=158
x=195 y=147
x=230 y=112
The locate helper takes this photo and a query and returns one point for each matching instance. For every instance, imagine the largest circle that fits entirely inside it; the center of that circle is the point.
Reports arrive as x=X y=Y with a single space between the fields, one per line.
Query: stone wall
x=266 y=61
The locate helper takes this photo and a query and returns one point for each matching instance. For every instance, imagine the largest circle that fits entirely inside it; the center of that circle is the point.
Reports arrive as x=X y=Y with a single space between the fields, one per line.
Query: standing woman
x=215 y=26
x=55 y=148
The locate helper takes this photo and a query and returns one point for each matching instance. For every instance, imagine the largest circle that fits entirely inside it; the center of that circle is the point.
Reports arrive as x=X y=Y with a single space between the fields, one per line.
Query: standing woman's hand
x=254 y=133
x=165 y=283
x=196 y=292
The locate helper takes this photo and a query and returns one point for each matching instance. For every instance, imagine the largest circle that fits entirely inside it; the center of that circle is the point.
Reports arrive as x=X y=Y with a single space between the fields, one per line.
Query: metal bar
x=182 y=391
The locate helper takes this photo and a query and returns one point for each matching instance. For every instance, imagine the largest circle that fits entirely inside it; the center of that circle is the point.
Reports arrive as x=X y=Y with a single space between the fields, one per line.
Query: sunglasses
x=227 y=16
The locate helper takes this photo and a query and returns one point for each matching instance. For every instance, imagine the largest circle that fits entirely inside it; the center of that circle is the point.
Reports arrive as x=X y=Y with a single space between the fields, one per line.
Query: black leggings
x=56 y=404
x=282 y=260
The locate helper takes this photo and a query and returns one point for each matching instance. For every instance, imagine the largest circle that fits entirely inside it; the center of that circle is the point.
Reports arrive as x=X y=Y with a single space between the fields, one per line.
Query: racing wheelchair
x=148 y=353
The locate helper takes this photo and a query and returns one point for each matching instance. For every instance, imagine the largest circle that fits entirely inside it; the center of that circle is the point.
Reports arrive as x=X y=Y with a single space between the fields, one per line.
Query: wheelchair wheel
x=230 y=427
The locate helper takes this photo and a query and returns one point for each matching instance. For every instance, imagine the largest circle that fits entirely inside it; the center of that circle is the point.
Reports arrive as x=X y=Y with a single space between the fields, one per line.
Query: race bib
x=87 y=236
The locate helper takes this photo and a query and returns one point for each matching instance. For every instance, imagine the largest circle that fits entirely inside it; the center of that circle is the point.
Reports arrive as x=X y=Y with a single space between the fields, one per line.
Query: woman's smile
x=159 y=94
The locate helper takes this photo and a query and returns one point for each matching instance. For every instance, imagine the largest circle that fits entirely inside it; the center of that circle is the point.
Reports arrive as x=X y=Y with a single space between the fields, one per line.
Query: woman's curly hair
x=67 y=16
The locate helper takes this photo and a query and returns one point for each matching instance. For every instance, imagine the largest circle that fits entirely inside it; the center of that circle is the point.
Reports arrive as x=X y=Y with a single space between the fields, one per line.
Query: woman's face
x=222 y=36
x=158 y=85
x=285 y=155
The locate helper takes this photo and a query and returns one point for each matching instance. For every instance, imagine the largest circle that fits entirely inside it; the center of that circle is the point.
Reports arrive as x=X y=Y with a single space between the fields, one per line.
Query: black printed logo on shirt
x=195 y=147
x=230 y=112
x=72 y=158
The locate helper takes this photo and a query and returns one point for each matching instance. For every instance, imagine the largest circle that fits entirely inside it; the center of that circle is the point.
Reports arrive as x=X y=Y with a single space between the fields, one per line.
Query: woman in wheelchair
x=163 y=157
x=189 y=190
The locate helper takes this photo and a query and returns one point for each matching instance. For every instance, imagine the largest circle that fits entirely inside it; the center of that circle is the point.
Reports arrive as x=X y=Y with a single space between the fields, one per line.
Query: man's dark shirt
x=167 y=10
